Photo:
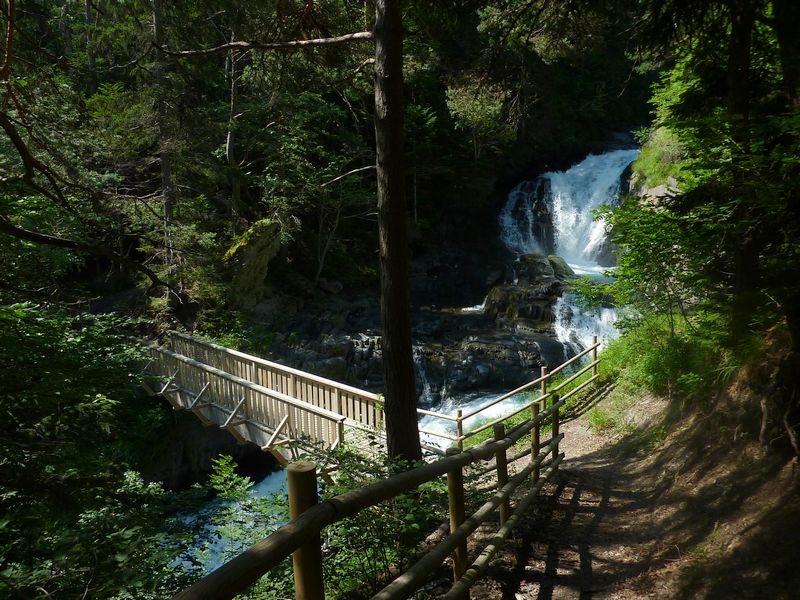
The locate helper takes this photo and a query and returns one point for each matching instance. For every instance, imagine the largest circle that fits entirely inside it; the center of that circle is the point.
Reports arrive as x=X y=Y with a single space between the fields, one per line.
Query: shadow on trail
x=555 y=557
x=613 y=516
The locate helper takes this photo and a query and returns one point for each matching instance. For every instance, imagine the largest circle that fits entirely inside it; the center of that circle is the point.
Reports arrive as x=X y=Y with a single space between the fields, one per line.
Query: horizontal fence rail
x=249 y=411
x=539 y=384
x=302 y=534
x=270 y=404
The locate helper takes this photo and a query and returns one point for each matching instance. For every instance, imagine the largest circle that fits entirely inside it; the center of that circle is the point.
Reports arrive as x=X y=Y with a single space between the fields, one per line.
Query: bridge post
x=306 y=560
x=556 y=426
x=594 y=355
x=459 y=429
x=501 y=460
x=535 y=440
x=455 y=501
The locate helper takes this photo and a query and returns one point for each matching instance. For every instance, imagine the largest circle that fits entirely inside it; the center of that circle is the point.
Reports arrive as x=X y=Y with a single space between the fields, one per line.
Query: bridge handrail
x=321 y=412
x=372 y=397
x=535 y=382
x=358 y=405
x=241 y=572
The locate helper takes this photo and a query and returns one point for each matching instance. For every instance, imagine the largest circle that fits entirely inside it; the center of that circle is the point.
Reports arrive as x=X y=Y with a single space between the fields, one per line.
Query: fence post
x=459 y=429
x=535 y=439
x=455 y=501
x=501 y=460
x=544 y=384
x=306 y=560
x=594 y=355
x=555 y=429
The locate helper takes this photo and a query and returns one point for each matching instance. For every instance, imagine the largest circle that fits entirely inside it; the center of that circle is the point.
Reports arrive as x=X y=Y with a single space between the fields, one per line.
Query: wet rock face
x=534 y=268
x=533 y=302
x=561 y=269
x=482 y=362
x=248 y=261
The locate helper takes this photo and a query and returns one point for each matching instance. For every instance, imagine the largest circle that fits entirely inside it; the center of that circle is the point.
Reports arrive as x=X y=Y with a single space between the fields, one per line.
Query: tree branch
x=354 y=171
x=32 y=165
x=242 y=45
x=43 y=238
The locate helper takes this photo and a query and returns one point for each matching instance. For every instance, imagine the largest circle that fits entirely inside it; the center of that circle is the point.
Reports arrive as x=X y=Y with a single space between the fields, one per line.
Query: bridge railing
x=249 y=411
x=358 y=405
x=541 y=385
x=301 y=536
x=364 y=407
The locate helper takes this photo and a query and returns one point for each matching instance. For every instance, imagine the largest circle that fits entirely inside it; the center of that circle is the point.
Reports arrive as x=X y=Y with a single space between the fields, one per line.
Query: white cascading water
x=570 y=198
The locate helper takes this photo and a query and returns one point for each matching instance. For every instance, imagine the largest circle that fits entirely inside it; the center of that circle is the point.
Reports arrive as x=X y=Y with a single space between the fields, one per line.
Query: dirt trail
x=622 y=521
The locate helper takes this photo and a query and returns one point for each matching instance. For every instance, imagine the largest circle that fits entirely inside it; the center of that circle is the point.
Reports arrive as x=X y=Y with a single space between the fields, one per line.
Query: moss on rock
x=248 y=260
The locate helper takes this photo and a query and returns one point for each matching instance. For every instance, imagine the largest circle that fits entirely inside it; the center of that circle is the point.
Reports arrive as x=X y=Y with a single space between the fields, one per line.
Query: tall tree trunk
x=164 y=155
x=66 y=34
x=90 y=52
x=743 y=19
x=786 y=24
x=747 y=272
x=230 y=141
x=398 y=362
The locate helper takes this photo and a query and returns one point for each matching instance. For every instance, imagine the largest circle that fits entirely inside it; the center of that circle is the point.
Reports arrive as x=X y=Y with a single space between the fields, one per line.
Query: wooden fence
x=301 y=537
x=226 y=387
x=540 y=384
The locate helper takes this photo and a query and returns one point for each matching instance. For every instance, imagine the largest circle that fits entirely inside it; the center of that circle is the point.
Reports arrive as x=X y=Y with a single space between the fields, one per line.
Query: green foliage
x=660 y=158
x=682 y=358
x=362 y=550
x=77 y=520
x=480 y=110
x=231 y=523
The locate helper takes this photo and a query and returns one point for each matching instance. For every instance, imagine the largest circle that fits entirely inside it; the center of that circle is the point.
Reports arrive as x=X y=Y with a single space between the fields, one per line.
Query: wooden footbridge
x=271 y=404
x=278 y=408
x=259 y=401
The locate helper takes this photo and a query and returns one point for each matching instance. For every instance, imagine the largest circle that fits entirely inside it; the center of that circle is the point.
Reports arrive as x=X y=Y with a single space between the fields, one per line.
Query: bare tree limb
x=32 y=165
x=242 y=45
x=353 y=172
x=21 y=233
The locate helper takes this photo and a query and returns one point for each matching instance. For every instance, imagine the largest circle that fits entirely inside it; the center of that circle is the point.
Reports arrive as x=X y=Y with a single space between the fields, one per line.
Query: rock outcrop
x=248 y=261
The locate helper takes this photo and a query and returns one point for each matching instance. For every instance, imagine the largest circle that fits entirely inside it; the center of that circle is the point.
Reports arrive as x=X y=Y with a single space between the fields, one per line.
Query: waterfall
x=426 y=397
x=554 y=214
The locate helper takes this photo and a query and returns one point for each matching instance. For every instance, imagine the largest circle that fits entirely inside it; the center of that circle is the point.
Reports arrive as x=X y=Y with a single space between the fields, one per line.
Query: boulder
x=532 y=268
x=560 y=267
x=532 y=302
x=606 y=253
